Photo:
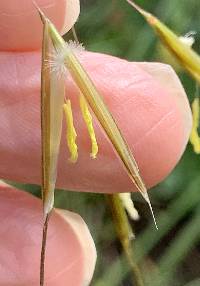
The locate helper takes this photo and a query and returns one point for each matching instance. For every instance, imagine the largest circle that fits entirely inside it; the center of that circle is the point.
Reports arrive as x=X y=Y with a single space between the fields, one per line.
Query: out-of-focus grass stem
x=125 y=235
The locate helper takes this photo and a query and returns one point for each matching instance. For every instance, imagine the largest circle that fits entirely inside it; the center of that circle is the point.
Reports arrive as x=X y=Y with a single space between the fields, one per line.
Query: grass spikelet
x=96 y=103
x=52 y=99
x=180 y=48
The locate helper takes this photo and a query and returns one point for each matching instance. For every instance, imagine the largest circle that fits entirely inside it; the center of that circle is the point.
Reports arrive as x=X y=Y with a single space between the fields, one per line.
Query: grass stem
x=125 y=235
x=43 y=249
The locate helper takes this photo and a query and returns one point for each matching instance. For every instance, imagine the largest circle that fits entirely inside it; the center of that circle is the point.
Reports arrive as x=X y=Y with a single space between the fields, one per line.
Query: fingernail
x=71 y=15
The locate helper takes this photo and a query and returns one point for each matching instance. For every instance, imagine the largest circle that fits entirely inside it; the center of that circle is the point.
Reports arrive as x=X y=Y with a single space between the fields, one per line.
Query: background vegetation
x=170 y=256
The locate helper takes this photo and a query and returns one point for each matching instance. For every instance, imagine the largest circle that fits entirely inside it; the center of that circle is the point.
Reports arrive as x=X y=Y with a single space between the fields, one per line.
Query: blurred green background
x=170 y=256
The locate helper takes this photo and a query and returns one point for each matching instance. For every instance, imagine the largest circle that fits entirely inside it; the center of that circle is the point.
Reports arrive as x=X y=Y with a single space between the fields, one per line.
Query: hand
x=69 y=242
x=147 y=100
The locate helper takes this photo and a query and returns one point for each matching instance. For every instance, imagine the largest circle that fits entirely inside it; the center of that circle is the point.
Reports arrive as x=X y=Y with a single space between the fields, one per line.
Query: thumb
x=20 y=25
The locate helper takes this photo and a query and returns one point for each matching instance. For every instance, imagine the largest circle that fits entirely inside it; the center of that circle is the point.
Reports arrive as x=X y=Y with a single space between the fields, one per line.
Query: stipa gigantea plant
x=52 y=103
x=181 y=49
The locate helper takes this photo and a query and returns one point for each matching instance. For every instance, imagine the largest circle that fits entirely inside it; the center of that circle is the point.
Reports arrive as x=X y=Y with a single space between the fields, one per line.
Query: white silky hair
x=56 y=61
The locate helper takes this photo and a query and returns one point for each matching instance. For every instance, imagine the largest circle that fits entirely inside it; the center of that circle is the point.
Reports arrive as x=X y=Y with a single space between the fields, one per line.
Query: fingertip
x=21 y=28
x=21 y=233
x=173 y=131
x=148 y=103
x=167 y=77
x=152 y=110
x=85 y=239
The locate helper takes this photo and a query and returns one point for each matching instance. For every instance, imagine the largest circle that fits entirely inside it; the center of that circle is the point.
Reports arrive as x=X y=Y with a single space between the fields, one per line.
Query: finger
x=154 y=117
x=20 y=25
x=166 y=76
x=68 y=244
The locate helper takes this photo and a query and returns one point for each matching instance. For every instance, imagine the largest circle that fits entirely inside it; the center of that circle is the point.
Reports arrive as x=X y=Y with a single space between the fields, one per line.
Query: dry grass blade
x=45 y=141
x=45 y=117
x=52 y=100
x=186 y=56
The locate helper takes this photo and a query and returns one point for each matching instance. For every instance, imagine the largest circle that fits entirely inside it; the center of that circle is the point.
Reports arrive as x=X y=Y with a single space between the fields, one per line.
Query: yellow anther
x=129 y=205
x=88 y=121
x=71 y=132
x=194 y=137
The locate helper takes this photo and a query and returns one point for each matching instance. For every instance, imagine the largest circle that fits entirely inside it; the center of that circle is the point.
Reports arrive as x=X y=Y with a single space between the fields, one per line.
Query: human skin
x=147 y=101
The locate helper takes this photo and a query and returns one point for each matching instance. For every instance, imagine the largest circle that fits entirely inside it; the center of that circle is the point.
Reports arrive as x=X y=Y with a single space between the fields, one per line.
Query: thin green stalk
x=75 y=35
x=125 y=235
